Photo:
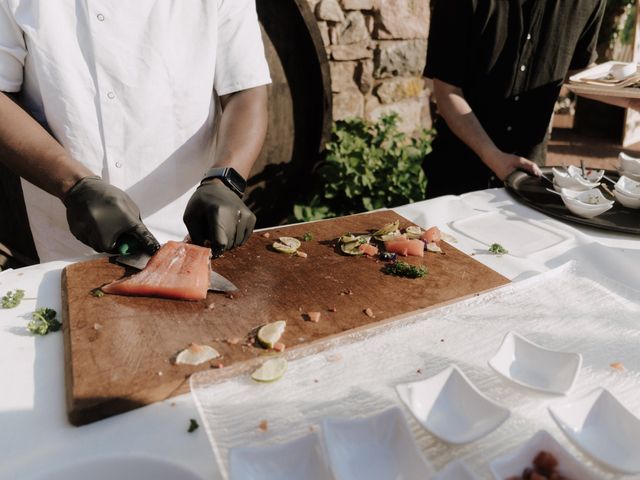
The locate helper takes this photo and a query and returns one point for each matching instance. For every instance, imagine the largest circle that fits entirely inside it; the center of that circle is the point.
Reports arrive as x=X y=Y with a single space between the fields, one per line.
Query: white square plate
x=602 y=428
x=299 y=458
x=451 y=408
x=512 y=464
x=521 y=237
x=525 y=363
x=378 y=447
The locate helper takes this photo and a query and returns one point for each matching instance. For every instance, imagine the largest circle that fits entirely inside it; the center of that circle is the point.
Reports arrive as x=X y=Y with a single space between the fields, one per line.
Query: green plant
x=368 y=165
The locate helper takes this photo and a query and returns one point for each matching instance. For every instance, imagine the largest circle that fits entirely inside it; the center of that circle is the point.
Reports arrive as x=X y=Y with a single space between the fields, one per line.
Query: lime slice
x=271 y=370
x=348 y=238
x=270 y=333
x=351 y=248
x=388 y=228
x=287 y=245
x=391 y=236
x=413 y=232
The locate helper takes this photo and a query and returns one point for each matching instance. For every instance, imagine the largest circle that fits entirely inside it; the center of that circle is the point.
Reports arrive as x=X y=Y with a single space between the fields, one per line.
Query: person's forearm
x=242 y=129
x=30 y=151
x=460 y=118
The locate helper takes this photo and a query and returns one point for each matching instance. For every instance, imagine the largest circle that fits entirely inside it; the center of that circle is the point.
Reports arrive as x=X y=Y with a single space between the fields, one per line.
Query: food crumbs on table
x=617 y=366
x=266 y=235
x=97 y=326
x=263 y=426
x=159 y=374
x=308 y=236
x=230 y=296
x=233 y=341
x=419 y=371
x=211 y=305
x=332 y=309
x=335 y=358
x=313 y=316
x=193 y=425
x=301 y=254
x=347 y=291
x=442 y=339
x=218 y=365
x=12 y=299
x=279 y=347
x=97 y=292
x=369 y=313
x=44 y=321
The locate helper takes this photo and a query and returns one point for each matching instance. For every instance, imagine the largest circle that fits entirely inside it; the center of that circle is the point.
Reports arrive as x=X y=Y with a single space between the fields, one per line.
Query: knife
x=217 y=282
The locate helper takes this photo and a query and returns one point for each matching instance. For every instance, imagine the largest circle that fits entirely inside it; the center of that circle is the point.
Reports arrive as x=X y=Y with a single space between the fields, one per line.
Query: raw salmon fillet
x=178 y=270
x=405 y=247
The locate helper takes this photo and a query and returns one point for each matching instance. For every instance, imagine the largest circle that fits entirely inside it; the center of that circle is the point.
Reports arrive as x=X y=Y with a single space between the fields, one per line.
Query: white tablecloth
x=35 y=435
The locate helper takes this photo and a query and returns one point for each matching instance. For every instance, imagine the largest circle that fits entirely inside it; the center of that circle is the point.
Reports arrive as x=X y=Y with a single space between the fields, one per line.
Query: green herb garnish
x=97 y=292
x=497 y=249
x=44 y=321
x=193 y=425
x=308 y=236
x=402 y=269
x=12 y=299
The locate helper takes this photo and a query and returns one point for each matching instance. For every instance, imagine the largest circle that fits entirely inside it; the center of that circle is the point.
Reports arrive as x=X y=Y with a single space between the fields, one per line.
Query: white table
x=35 y=435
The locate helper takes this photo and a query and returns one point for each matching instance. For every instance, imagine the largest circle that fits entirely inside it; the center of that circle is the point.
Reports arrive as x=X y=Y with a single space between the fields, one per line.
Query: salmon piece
x=368 y=249
x=178 y=270
x=432 y=235
x=405 y=247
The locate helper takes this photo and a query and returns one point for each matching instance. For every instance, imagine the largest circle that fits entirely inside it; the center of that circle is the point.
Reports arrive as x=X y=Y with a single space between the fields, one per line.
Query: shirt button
x=523 y=68
x=100 y=17
x=111 y=95
x=516 y=98
x=528 y=36
x=118 y=165
x=509 y=128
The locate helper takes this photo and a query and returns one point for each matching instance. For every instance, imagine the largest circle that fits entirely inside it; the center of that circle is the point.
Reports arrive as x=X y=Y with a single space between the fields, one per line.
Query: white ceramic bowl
x=602 y=428
x=512 y=464
x=525 y=363
x=629 y=164
x=451 y=408
x=378 y=447
x=456 y=470
x=626 y=200
x=572 y=178
x=628 y=187
x=587 y=203
x=300 y=458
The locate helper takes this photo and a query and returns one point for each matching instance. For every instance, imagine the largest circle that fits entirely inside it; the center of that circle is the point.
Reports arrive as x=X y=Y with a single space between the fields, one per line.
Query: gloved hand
x=99 y=214
x=217 y=215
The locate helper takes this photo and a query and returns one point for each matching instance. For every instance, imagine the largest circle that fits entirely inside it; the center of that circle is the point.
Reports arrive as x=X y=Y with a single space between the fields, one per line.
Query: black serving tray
x=532 y=191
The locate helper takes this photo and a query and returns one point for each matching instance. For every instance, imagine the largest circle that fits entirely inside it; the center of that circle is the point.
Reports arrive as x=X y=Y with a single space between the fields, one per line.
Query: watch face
x=229 y=177
x=235 y=179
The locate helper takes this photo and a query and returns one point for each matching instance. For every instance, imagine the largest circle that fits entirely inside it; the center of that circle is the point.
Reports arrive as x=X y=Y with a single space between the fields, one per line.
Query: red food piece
x=432 y=235
x=368 y=249
x=178 y=270
x=545 y=463
x=405 y=247
x=313 y=316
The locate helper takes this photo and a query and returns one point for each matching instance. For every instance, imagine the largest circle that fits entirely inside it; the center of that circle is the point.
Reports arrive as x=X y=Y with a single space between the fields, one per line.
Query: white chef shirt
x=128 y=88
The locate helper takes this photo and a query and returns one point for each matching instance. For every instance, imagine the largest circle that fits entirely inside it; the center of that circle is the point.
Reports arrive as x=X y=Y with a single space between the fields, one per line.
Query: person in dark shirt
x=497 y=67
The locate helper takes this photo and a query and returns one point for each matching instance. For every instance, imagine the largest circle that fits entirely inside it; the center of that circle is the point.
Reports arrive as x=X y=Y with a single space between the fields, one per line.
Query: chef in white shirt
x=113 y=108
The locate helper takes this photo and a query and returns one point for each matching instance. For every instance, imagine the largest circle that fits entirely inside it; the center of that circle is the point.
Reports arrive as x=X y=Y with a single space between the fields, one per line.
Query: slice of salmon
x=178 y=270
x=405 y=247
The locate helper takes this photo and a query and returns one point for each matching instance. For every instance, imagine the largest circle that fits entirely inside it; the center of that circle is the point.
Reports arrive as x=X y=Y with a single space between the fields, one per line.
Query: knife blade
x=217 y=283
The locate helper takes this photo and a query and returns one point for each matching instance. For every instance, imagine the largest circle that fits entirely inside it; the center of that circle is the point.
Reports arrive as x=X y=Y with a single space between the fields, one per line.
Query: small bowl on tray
x=629 y=164
x=587 y=203
x=572 y=178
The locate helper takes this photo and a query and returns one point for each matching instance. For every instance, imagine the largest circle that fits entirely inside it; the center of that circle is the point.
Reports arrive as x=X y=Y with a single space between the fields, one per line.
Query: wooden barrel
x=299 y=126
x=299 y=109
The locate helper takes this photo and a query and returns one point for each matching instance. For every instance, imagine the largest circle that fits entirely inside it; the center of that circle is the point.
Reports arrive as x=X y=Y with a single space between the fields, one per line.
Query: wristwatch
x=229 y=177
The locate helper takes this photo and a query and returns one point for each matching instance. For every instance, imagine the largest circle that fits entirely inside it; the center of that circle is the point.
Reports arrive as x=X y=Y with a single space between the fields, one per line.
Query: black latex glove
x=217 y=215
x=99 y=214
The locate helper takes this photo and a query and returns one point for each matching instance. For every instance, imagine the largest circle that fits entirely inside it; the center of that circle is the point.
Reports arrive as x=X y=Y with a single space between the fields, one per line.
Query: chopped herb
x=402 y=269
x=307 y=236
x=12 y=299
x=193 y=425
x=97 y=292
x=44 y=321
x=497 y=249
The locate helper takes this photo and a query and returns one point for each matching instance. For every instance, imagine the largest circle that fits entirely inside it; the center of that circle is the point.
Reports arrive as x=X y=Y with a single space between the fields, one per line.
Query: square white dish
x=451 y=408
x=530 y=365
x=303 y=457
x=456 y=470
x=377 y=447
x=513 y=463
x=526 y=237
x=602 y=428
x=629 y=163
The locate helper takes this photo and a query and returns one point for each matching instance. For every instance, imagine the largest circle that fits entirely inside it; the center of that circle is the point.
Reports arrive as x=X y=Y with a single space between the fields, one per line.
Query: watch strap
x=229 y=176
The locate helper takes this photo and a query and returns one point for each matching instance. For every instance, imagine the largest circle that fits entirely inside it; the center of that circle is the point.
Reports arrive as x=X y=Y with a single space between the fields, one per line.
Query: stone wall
x=377 y=51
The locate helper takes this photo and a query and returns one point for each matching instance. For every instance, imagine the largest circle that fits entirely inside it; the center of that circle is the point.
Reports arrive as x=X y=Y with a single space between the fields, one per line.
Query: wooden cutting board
x=119 y=350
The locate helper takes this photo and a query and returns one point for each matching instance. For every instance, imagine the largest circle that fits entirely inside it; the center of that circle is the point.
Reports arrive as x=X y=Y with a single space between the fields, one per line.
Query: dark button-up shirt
x=510 y=60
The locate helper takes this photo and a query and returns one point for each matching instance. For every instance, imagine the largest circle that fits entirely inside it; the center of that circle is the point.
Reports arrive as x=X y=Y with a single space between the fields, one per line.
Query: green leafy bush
x=367 y=166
